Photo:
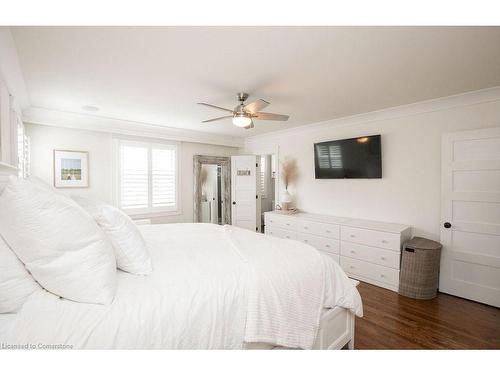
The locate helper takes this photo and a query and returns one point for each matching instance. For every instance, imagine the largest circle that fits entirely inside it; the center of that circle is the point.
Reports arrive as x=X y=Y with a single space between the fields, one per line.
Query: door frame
x=225 y=163
x=270 y=150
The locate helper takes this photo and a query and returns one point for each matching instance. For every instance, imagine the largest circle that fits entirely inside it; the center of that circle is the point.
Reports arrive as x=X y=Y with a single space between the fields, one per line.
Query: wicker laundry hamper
x=419 y=275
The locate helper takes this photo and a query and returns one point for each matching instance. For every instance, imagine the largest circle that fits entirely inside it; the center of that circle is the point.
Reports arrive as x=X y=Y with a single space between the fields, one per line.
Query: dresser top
x=347 y=221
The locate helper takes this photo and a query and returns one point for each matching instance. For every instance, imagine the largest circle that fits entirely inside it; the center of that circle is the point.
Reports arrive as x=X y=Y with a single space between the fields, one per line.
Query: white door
x=470 y=213
x=244 y=193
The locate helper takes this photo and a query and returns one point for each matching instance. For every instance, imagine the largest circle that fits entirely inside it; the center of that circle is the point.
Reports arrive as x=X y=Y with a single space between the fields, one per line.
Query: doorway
x=267 y=183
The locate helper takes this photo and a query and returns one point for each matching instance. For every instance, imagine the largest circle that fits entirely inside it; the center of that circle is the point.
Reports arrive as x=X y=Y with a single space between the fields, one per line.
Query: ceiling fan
x=243 y=114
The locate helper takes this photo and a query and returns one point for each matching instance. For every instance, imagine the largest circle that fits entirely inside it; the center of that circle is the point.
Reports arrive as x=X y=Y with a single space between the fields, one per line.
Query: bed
x=212 y=287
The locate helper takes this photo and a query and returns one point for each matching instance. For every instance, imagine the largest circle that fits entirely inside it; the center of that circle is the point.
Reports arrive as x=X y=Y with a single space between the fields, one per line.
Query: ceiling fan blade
x=216 y=107
x=251 y=126
x=271 y=116
x=218 y=118
x=256 y=106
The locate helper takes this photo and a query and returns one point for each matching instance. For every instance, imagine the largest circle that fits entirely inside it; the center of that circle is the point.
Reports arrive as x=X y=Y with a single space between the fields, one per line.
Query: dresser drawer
x=281 y=221
x=281 y=233
x=368 y=237
x=319 y=229
x=335 y=257
x=371 y=271
x=375 y=255
x=328 y=245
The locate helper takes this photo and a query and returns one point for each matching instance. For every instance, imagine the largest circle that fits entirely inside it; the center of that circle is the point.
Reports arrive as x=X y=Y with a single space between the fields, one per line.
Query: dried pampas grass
x=289 y=171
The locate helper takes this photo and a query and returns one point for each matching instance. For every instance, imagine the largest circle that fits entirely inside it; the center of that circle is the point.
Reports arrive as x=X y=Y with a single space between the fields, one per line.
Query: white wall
x=5 y=125
x=44 y=139
x=409 y=191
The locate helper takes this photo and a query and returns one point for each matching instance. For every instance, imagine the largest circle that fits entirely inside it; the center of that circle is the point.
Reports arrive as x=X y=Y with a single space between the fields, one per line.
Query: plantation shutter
x=163 y=177
x=147 y=178
x=134 y=184
x=23 y=150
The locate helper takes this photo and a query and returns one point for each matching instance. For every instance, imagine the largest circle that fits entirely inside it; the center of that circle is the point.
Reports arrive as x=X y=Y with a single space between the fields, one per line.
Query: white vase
x=286 y=199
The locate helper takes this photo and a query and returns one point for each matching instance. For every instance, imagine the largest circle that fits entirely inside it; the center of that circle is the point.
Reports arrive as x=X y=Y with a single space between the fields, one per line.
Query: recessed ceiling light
x=90 y=108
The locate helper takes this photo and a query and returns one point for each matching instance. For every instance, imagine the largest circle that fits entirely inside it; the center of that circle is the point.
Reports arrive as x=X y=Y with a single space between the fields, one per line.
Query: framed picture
x=71 y=169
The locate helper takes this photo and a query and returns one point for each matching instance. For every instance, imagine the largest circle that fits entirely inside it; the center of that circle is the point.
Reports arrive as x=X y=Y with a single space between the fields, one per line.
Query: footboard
x=336 y=330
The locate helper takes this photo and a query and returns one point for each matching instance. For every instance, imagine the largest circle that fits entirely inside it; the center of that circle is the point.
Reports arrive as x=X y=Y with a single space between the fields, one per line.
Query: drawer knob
x=306 y=228
x=328 y=231
x=327 y=245
x=384 y=241
x=383 y=258
x=352 y=267
x=353 y=252
x=287 y=223
x=287 y=236
x=352 y=236
x=306 y=241
x=382 y=275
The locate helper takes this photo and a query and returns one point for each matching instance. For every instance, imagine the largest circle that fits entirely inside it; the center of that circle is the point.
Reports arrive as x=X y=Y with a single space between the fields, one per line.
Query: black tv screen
x=349 y=158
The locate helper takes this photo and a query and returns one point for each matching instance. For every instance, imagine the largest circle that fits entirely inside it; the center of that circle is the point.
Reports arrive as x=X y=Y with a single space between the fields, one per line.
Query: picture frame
x=71 y=169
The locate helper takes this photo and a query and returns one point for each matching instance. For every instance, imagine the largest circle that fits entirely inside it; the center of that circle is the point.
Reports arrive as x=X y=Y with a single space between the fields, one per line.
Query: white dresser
x=367 y=250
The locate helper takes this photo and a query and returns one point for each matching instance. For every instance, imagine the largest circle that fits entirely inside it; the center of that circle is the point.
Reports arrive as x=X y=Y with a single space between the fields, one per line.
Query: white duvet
x=212 y=287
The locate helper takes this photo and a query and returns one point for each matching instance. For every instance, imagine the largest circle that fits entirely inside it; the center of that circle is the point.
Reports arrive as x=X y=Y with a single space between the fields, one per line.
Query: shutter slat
x=135 y=181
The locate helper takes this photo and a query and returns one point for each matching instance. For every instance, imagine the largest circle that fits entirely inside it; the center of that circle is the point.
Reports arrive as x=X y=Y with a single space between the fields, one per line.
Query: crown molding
x=460 y=100
x=49 y=117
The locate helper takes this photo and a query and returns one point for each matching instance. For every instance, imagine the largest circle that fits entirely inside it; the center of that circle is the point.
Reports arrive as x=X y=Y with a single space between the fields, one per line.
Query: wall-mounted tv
x=349 y=158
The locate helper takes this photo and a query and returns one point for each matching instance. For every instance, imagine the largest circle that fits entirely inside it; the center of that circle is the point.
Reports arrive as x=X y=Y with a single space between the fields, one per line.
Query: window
x=146 y=177
x=23 y=150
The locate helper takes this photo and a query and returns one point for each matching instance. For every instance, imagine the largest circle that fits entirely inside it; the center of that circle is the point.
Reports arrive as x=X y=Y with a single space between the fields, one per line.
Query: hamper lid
x=423 y=244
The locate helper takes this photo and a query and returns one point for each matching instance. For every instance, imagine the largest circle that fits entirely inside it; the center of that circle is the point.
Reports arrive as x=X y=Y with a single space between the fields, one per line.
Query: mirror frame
x=225 y=163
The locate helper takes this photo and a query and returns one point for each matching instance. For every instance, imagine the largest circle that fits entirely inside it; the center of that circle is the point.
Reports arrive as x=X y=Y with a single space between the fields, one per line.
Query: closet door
x=470 y=215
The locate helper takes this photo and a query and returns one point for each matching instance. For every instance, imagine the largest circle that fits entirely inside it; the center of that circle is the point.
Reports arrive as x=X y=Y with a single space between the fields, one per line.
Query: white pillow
x=130 y=249
x=59 y=243
x=16 y=284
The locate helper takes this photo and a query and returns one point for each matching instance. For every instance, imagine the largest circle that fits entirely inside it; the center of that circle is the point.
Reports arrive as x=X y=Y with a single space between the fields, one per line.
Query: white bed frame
x=336 y=330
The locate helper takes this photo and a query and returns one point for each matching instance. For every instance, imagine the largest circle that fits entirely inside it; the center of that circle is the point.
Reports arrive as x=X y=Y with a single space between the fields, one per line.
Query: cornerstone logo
x=34 y=346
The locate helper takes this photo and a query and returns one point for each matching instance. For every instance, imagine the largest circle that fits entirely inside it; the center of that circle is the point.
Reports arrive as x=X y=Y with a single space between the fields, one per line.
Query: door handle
x=447 y=225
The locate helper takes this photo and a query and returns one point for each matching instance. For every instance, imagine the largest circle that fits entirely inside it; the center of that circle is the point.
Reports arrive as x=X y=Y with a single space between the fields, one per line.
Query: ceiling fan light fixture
x=241 y=121
x=243 y=114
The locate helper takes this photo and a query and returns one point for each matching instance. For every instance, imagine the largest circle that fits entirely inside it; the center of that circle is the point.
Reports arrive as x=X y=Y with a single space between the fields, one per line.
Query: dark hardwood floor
x=392 y=321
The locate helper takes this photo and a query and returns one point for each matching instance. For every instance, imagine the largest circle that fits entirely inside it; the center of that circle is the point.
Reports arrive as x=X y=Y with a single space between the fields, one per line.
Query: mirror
x=212 y=189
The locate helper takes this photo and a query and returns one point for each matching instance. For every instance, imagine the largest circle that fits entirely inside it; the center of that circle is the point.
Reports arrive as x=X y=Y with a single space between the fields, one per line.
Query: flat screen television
x=349 y=158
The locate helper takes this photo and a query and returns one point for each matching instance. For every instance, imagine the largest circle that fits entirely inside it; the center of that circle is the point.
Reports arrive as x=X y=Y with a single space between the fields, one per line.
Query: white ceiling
x=156 y=74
